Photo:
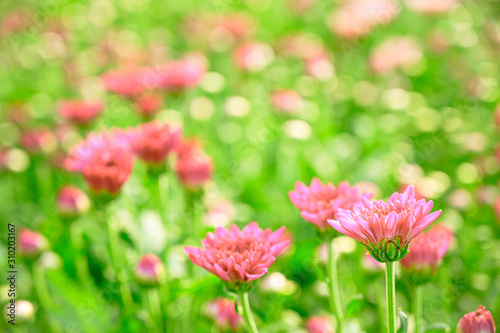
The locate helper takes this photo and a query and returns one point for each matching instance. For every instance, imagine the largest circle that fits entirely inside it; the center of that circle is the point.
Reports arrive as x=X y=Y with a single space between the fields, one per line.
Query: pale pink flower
x=193 y=166
x=239 y=256
x=239 y=25
x=125 y=82
x=31 y=243
x=320 y=202
x=79 y=112
x=395 y=53
x=431 y=6
x=152 y=142
x=72 y=201
x=220 y=213
x=479 y=321
x=39 y=140
x=319 y=324
x=223 y=312
x=387 y=228
x=177 y=75
x=286 y=101
x=320 y=67
x=150 y=269
x=252 y=56
x=427 y=250
x=357 y=18
x=104 y=160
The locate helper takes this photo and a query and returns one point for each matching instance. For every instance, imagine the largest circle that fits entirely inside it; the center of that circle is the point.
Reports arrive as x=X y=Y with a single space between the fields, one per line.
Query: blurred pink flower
x=239 y=256
x=427 y=250
x=394 y=53
x=320 y=202
x=104 y=160
x=125 y=82
x=252 y=56
x=300 y=7
x=193 y=166
x=80 y=112
x=431 y=6
x=153 y=141
x=320 y=67
x=15 y=20
x=301 y=45
x=72 y=201
x=177 y=75
x=319 y=324
x=387 y=228
x=286 y=101
x=497 y=115
x=150 y=269
x=239 y=25
x=148 y=103
x=220 y=213
x=223 y=312
x=38 y=140
x=357 y=18
x=31 y=243
x=479 y=321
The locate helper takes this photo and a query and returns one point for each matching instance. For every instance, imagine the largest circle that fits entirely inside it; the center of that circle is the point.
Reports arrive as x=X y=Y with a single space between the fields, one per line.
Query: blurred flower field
x=139 y=140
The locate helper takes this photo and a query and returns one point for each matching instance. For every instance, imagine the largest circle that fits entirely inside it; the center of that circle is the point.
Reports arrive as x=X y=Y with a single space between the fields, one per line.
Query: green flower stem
x=114 y=248
x=417 y=308
x=390 y=282
x=333 y=285
x=154 y=309
x=247 y=312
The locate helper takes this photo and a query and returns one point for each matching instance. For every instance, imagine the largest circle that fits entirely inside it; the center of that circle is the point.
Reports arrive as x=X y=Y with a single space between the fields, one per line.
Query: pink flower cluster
x=320 y=202
x=236 y=255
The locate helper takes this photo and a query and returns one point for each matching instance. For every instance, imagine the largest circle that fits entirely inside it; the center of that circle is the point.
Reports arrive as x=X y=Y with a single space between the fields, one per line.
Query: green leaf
x=438 y=327
x=354 y=305
x=403 y=327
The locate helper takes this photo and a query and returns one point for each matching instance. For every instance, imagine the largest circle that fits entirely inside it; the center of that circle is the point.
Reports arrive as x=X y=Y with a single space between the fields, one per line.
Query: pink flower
x=31 y=243
x=320 y=202
x=427 y=250
x=153 y=141
x=39 y=140
x=431 y=6
x=178 y=75
x=319 y=324
x=479 y=321
x=394 y=53
x=193 y=166
x=104 y=160
x=387 y=228
x=357 y=18
x=148 y=103
x=72 y=201
x=223 y=312
x=239 y=256
x=150 y=269
x=287 y=101
x=80 y=112
x=252 y=56
x=320 y=67
x=125 y=82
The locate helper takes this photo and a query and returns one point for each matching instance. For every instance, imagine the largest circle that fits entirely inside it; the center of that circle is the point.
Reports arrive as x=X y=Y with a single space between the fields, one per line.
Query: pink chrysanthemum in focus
x=479 y=321
x=150 y=270
x=31 y=243
x=193 y=166
x=427 y=250
x=387 y=228
x=80 y=112
x=71 y=201
x=319 y=324
x=153 y=141
x=239 y=256
x=320 y=202
x=104 y=160
x=223 y=312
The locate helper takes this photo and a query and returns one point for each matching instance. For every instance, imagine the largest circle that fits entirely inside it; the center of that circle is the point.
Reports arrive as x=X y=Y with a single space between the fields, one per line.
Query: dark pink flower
x=104 y=160
x=387 y=228
x=150 y=269
x=287 y=101
x=193 y=166
x=31 y=243
x=427 y=250
x=153 y=141
x=80 y=112
x=319 y=324
x=223 y=312
x=320 y=202
x=239 y=256
x=479 y=321
x=72 y=201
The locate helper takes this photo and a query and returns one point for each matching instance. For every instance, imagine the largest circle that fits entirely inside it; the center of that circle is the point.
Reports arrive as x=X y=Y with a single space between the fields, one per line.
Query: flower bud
x=479 y=321
x=31 y=243
x=71 y=201
x=150 y=270
x=319 y=324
